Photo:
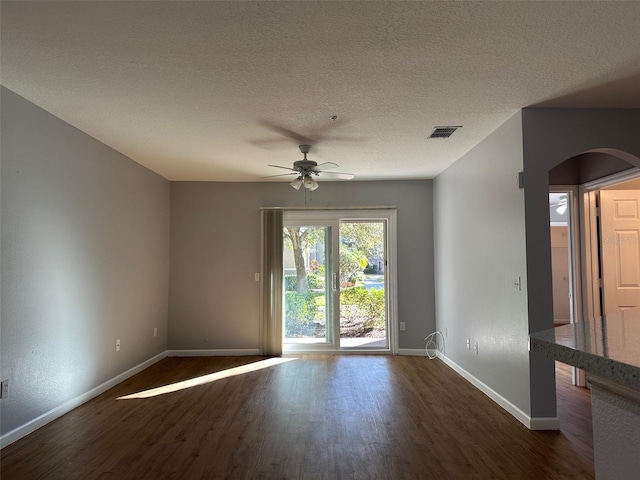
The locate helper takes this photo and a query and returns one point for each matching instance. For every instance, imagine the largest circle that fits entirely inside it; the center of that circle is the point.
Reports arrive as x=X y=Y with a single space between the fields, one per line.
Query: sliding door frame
x=333 y=218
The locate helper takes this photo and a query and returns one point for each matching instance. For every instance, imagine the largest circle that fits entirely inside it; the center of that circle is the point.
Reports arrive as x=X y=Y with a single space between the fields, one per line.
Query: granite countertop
x=607 y=346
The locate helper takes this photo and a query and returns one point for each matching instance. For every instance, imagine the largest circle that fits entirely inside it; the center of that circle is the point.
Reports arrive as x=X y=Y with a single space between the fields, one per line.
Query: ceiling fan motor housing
x=304 y=165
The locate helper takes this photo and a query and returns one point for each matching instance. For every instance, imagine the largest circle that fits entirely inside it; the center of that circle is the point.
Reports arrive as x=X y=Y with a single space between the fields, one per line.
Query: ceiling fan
x=305 y=169
x=560 y=205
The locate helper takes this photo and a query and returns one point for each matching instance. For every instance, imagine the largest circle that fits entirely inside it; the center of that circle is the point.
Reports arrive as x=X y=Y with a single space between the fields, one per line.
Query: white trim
x=421 y=352
x=575 y=226
x=32 y=425
x=574 y=243
x=590 y=261
x=537 y=423
x=392 y=279
x=221 y=352
x=611 y=180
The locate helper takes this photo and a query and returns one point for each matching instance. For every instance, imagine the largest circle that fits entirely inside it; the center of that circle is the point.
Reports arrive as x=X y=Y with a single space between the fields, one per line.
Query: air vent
x=443 y=132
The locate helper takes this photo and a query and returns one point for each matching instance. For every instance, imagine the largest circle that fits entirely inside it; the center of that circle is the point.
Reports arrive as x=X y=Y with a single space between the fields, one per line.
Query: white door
x=620 y=249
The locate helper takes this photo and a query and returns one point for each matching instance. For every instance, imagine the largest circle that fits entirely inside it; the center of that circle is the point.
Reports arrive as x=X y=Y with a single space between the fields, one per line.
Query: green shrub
x=352 y=263
x=300 y=313
x=315 y=281
x=360 y=303
x=290 y=283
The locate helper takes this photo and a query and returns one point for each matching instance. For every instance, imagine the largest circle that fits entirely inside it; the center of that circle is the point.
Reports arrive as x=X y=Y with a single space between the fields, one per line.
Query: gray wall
x=586 y=167
x=84 y=250
x=215 y=251
x=551 y=136
x=481 y=239
x=480 y=248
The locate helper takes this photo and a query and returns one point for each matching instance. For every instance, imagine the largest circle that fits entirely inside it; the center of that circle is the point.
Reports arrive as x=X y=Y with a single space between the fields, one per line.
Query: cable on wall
x=432 y=348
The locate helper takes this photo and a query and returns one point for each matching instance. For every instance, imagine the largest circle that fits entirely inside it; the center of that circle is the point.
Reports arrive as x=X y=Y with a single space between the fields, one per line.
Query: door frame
x=575 y=286
x=589 y=235
x=575 y=255
x=387 y=215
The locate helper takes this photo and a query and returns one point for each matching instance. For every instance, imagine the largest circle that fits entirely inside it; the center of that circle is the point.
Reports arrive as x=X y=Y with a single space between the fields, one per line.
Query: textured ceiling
x=212 y=90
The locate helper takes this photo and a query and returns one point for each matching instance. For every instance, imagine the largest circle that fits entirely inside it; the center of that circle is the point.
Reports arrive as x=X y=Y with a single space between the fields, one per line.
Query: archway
x=580 y=177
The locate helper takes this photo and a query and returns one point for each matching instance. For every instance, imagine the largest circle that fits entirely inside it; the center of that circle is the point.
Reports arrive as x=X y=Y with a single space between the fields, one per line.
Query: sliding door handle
x=336 y=282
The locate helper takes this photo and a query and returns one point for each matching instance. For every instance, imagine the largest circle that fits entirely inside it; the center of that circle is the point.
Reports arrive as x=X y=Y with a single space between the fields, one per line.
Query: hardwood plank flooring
x=574 y=411
x=313 y=417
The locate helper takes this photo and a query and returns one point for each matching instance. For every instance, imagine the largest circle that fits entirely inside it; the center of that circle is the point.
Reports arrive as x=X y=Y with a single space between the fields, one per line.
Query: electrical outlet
x=256 y=277
x=468 y=344
x=402 y=326
x=155 y=331
x=475 y=347
x=4 y=390
x=118 y=345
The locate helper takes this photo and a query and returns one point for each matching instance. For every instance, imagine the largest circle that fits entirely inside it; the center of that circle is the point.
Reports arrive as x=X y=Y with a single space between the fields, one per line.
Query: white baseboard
x=421 y=352
x=213 y=353
x=31 y=426
x=532 y=423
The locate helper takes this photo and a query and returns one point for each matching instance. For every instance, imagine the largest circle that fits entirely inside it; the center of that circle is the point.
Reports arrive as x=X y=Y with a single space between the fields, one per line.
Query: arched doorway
x=581 y=178
x=584 y=187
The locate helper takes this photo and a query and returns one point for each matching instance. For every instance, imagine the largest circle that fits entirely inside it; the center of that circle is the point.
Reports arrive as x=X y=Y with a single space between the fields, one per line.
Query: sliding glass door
x=338 y=291
x=363 y=315
x=307 y=288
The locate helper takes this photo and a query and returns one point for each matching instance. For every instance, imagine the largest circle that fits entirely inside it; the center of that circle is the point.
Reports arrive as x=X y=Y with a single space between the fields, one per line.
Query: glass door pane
x=307 y=285
x=363 y=317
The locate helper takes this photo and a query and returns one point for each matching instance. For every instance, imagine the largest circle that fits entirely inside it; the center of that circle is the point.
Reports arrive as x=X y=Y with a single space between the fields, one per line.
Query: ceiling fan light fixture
x=310 y=183
x=297 y=183
x=305 y=169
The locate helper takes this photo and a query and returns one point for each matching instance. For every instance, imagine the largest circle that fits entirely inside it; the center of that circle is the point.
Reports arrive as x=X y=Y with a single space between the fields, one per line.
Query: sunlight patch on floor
x=204 y=379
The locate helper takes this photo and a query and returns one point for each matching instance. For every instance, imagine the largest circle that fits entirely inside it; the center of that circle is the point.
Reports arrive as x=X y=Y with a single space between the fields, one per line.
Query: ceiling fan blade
x=343 y=176
x=325 y=166
x=286 y=168
x=281 y=175
x=298 y=137
x=337 y=138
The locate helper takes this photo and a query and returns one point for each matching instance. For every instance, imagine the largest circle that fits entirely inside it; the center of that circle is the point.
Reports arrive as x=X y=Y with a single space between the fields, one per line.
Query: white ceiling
x=205 y=90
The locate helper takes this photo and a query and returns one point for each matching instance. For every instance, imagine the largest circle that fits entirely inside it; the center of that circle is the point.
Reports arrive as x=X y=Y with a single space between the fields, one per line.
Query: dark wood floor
x=314 y=417
x=574 y=411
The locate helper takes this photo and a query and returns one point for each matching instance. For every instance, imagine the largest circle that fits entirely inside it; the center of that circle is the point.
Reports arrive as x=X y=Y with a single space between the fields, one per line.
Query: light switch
x=517 y=283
